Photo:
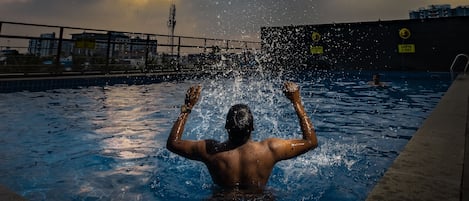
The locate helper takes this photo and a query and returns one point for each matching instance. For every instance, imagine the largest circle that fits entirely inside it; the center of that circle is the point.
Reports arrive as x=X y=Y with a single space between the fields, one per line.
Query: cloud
x=13 y=1
x=373 y=10
x=243 y=18
x=210 y=18
x=103 y=14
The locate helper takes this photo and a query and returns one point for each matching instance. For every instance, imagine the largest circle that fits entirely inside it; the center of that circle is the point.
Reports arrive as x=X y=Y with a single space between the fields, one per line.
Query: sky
x=227 y=19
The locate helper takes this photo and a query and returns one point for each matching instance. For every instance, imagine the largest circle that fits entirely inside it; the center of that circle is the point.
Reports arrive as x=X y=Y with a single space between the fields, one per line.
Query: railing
x=32 y=49
x=454 y=63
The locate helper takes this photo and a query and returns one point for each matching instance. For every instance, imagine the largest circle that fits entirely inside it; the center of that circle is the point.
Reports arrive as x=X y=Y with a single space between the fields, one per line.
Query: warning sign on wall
x=406 y=48
x=316 y=36
x=404 y=33
x=316 y=49
x=85 y=43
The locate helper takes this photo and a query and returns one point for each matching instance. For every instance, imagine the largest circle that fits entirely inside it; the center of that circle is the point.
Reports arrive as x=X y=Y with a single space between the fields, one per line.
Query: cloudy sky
x=233 y=19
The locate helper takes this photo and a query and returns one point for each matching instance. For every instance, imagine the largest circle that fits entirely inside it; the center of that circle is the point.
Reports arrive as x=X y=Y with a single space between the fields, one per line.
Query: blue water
x=108 y=142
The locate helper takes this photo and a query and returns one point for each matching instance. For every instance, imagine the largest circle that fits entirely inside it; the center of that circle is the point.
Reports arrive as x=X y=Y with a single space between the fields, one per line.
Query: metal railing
x=451 y=69
x=30 y=49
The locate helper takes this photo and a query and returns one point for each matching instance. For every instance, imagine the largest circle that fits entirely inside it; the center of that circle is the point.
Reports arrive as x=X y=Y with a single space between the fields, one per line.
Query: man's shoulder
x=272 y=139
x=212 y=146
x=272 y=142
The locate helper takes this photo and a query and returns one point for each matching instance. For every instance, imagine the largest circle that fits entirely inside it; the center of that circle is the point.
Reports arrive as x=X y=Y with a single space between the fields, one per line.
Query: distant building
x=438 y=11
x=43 y=47
x=93 y=44
x=121 y=45
x=138 y=48
x=461 y=11
x=47 y=45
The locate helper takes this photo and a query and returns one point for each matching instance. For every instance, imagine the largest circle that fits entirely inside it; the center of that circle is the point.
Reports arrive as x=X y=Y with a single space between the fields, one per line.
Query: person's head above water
x=239 y=123
x=376 y=78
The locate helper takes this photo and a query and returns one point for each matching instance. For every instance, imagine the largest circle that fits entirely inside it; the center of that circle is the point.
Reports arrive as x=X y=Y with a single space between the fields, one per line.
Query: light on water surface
x=108 y=142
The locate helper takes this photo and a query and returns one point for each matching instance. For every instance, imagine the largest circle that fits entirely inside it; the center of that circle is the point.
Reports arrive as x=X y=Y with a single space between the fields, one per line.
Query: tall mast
x=172 y=25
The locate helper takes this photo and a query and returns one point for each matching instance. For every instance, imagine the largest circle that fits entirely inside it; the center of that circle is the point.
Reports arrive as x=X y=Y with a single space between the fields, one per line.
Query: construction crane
x=172 y=25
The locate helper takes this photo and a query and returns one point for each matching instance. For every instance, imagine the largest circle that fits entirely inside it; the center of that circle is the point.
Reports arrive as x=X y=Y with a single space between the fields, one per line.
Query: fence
x=34 y=49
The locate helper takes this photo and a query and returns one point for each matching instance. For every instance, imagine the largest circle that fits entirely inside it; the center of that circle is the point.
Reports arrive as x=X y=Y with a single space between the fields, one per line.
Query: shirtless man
x=376 y=81
x=241 y=163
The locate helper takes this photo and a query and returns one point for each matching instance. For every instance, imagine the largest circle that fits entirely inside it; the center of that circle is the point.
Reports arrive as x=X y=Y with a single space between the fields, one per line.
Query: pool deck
x=433 y=164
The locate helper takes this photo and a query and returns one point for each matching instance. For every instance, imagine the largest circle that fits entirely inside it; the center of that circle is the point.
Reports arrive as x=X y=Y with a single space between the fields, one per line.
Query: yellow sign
x=406 y=48
x=85 y=43
x=404 y=33
x=316 y=36
x=316 y=49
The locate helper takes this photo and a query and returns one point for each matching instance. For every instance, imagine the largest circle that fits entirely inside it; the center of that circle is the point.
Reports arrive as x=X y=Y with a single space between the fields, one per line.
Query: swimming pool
x=108 y=142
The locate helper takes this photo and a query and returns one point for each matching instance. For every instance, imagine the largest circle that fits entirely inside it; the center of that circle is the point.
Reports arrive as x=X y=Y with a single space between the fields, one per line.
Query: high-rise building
x=43 y=47
x=95 y=44
x=438 y=11
x=46 y=46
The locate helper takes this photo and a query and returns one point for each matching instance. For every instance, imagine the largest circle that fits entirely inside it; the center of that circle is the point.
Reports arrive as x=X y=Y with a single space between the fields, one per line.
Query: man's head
x=376 y=78
x=239 y=123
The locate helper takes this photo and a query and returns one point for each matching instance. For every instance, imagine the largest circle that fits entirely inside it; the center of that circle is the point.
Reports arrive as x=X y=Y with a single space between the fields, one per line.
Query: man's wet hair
x=239 y=123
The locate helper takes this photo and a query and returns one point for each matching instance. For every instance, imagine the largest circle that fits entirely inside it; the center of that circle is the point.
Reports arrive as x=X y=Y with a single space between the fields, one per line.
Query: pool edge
x=431 y=165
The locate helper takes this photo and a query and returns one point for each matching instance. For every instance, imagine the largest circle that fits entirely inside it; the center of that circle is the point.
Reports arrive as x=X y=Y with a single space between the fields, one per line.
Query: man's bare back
x=246 y=166
x=240 y=162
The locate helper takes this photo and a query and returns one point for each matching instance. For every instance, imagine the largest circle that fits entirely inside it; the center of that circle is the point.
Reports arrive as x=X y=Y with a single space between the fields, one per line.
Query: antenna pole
x=172 y=25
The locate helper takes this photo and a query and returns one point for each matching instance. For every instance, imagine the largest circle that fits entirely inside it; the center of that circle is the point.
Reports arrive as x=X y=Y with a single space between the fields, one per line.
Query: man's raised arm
x=292 y=92
x=185 y=148
x=285 y=149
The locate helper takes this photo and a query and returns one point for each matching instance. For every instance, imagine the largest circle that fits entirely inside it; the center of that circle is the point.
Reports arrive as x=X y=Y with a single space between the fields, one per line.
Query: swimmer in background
x=241 y=163
x=376 y=81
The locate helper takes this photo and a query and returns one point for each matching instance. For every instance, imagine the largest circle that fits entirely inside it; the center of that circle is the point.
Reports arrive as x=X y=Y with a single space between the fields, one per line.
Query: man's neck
x=235 y=144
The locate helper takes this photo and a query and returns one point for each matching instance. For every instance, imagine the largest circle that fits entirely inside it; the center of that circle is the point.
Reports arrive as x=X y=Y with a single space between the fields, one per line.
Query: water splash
x=350 y=117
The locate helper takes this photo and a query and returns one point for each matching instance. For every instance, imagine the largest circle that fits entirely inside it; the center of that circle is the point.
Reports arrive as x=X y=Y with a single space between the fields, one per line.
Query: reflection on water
x=108 y=143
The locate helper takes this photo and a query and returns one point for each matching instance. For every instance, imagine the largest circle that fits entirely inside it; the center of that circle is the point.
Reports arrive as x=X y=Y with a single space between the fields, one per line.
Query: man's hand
x=192 y=96
x=292 y=91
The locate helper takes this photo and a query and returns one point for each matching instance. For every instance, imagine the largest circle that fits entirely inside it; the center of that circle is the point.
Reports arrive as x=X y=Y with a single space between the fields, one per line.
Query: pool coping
x=431 y=165
x=42 y=83
x=49 y=82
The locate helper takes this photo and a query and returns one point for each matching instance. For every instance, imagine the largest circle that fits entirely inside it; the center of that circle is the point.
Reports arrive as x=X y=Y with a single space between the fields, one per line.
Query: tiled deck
x=431 y=165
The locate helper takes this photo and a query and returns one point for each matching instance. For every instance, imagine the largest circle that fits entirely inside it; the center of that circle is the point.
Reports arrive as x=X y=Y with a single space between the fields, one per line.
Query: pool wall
x=429 y=44
x=433 y=165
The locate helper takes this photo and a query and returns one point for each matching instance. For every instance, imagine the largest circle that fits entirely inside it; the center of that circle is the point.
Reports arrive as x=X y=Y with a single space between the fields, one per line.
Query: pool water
x=108 y=142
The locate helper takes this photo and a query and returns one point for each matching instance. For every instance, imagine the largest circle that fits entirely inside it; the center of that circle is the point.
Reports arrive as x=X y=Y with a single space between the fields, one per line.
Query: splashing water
x=360 y=128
